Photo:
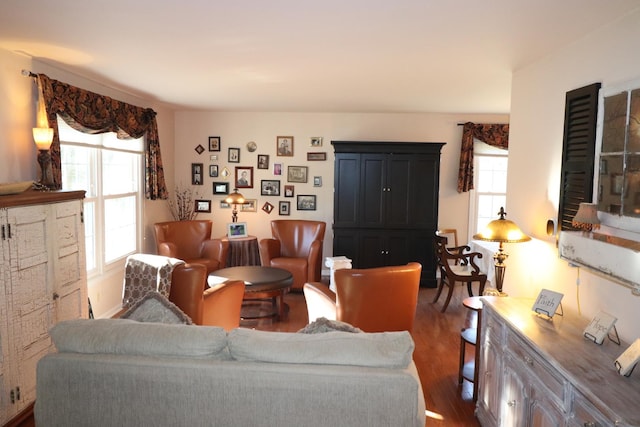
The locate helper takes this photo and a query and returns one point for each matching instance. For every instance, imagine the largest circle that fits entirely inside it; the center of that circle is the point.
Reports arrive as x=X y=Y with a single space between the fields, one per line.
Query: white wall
x=236 y=129
x=18 y=152
x=537 y=118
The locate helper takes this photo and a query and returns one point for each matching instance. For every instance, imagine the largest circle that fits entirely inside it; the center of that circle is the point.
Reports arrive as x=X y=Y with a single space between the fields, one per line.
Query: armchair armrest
x=321 y=301
x=222 y=304
x=269 y=248
x=168 y=249
x=314 y=260
x=187 y=287
x=217 y=249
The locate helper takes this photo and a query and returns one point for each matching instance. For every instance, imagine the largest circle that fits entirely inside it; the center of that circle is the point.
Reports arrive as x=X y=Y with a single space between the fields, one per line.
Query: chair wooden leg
x=446 y=301
x=440 y=286
x=469 y=290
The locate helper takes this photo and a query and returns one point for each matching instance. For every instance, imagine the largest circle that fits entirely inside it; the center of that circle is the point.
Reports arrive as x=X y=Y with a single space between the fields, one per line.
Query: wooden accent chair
x=296 y=246
x=374 y=299
x=191 y=242
x=456 y=264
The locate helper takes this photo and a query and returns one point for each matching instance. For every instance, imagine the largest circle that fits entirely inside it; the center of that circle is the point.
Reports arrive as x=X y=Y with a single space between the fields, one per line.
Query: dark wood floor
x=437 y=339
x=437 y=352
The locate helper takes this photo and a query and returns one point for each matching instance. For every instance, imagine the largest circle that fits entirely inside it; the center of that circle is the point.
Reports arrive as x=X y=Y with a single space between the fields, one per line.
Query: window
x=109 y=170
x=490 y=186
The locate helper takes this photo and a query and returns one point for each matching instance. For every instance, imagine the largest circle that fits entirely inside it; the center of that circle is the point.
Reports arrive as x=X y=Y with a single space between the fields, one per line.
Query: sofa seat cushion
x=384 y=350
x=123 y=336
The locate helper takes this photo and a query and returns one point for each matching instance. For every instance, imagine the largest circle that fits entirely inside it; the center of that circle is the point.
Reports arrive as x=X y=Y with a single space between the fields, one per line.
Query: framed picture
x=277 y=168
x=297 y=173
x=317 y=181
x=617 y=179
x=263 y=161
x=270 y=187
x=244 y=176
x=220 y=188
x=199 y=149
x=284 y=208
x=234 y=155
x=267 y=207
x=284 y=146
x=306 y=202
x=203 y=206
x=224 y=205
x=236 y=230
x=213 y=171
x=196 y=173
x=316 y=141
x=316 y=156
x=288 y=191
x=250 y=205
x=214 y=143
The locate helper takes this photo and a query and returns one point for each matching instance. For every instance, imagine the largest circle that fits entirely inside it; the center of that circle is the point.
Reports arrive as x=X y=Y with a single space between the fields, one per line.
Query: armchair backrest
x=296 y=236
x=187 y=236
x=378 y=299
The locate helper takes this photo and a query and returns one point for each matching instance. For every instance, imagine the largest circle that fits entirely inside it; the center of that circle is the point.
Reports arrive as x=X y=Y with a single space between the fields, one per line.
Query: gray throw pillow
x=154 y=307
x=322 y=324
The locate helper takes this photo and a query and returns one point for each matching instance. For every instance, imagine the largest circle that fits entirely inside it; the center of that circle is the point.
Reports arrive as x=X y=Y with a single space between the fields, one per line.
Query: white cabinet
x=541 y=372
x=42 y=267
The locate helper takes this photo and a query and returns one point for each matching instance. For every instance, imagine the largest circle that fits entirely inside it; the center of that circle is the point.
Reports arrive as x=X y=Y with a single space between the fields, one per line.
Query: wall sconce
x=586 y=218
x=235 y=199
x=504 y=231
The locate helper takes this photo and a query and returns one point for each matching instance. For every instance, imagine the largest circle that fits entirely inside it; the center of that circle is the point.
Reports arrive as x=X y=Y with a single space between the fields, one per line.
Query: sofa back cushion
x=384 y=350
x=122 y=336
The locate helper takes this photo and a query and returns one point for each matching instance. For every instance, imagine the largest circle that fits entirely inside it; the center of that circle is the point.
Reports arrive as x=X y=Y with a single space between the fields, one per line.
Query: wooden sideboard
x=536 y=371
x=42 y=280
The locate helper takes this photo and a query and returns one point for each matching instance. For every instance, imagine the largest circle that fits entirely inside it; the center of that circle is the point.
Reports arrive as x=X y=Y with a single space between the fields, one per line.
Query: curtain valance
x=496 y=135
x=90 y=112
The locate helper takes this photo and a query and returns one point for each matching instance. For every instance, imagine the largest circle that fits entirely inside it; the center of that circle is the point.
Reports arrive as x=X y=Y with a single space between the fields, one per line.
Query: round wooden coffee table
x=260 y=283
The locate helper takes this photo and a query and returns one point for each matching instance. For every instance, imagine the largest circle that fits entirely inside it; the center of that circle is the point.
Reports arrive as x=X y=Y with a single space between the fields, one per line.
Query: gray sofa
x=118 y=372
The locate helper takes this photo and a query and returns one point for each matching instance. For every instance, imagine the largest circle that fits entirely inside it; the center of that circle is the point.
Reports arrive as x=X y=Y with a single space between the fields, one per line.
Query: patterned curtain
x=496 y=135
x=93 y=113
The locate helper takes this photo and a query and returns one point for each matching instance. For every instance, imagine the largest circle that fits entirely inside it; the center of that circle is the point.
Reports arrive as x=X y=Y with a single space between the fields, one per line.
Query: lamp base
x=46 y=175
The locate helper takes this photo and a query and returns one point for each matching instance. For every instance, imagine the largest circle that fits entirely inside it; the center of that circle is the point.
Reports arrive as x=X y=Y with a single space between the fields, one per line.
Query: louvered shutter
x=578 y=152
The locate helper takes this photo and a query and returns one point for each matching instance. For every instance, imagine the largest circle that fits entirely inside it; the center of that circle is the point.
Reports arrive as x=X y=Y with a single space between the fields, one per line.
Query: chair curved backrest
x=296 y=246
x=191 y=241
x=222 y=304
x=378 y=299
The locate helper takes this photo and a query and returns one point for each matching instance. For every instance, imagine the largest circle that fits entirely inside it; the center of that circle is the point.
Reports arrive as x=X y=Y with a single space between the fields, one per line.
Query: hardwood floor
x=437 y=339
x=437 y=352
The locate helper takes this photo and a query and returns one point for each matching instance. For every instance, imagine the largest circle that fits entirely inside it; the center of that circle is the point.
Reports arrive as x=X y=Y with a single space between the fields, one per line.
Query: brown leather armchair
x=191 y=242
x=216 y=306
x=296 y=246
x=373 y=299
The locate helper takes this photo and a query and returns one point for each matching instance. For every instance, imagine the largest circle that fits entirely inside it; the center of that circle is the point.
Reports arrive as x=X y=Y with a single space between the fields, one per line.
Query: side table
x=243 y=251
x=469 y=336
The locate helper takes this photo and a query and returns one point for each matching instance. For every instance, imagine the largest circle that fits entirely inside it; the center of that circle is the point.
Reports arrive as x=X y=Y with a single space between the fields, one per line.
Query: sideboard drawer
x=584 y=414
x=540 y=369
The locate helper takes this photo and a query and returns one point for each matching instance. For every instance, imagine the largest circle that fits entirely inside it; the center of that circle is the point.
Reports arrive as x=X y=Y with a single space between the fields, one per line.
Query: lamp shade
x=502 y=230
x=586 y=217
x=43 y=137
x=235 y=198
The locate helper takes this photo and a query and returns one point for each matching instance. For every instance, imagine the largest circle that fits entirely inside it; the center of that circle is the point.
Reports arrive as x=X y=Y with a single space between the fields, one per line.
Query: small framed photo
x=224 y=205
x=316 y=156
x=214 y=143
x=277 y=168
x=199 y=149
x=213 y=171
x=220 y=188
x=270 y=187
x=203 y=206
x=284 y=146
x=288 y=191
x=236 y=230
x=316 y=141
x=306 y=202
x=250 y=205
x=317 y=181
x=284 y=208
x=297 y=173
x=244 y=176
x=196 y=173
x=267 y=207
x=263 y=161
x=234 y=155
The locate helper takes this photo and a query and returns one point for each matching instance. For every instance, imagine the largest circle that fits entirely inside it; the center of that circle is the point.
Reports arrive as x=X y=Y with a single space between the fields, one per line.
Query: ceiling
x=450 y=56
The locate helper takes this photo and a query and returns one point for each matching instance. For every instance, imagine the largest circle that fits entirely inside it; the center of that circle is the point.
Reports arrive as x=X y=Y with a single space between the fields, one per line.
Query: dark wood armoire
x=386 y=203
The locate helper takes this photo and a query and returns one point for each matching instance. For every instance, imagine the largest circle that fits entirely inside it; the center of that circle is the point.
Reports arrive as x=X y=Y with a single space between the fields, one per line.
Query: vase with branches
x=182 y=204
